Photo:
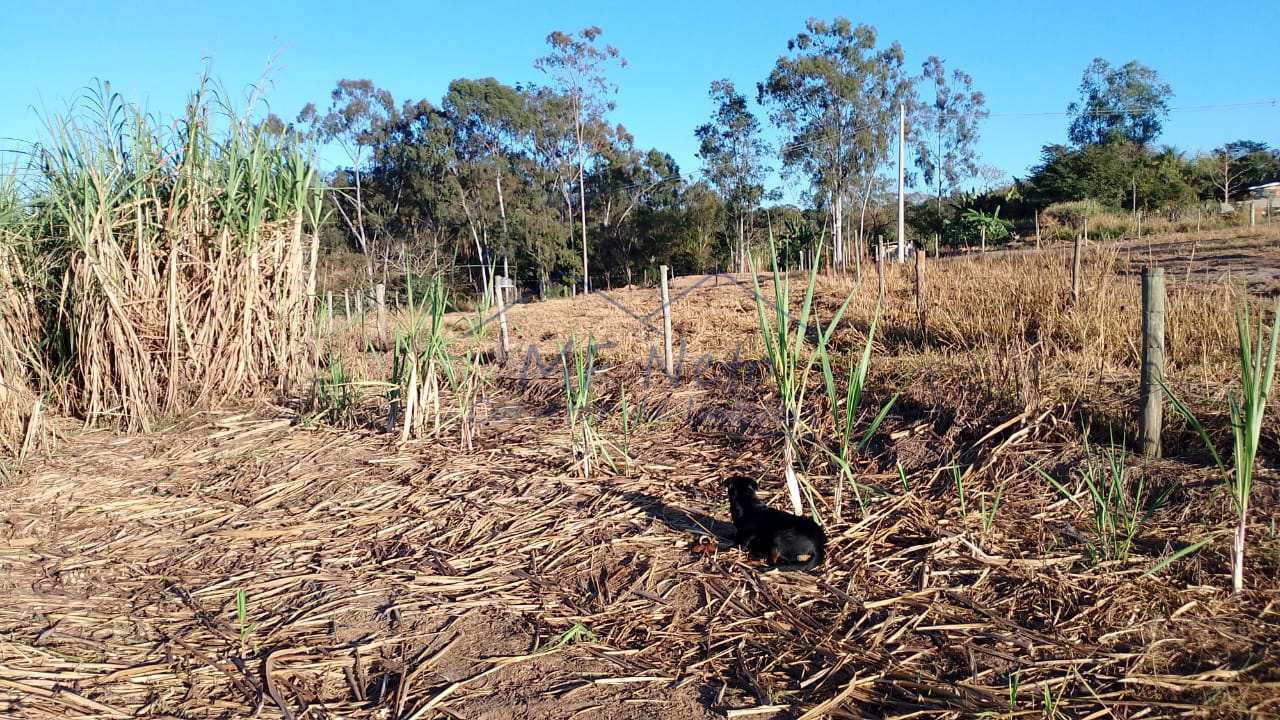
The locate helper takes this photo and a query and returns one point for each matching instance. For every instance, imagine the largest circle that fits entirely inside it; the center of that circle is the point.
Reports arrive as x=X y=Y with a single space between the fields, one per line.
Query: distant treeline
x=539 y=177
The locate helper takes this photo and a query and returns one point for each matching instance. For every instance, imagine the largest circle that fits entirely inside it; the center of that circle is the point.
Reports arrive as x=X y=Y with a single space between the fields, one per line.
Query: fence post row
x=1151 y=389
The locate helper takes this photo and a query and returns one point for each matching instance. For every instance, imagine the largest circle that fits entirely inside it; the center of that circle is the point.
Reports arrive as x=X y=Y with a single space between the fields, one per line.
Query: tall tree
x=1129 y=102
x=627 y=182
x=489 y=120
x=838 y=96
x=1232 y=168
x=552 y=145
x=949 y=128
x=578 y=68
x=703 y=225
x=733 y=155
x=357 y=115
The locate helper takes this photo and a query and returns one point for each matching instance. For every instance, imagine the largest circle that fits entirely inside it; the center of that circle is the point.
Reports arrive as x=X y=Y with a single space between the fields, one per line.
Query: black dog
x=789 y=541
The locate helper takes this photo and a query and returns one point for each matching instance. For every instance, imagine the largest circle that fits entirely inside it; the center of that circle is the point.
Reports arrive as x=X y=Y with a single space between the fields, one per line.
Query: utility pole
x=902 y=134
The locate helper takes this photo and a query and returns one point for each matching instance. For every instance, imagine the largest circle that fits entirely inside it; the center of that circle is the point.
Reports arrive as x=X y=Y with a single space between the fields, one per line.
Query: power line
x=1274 y=102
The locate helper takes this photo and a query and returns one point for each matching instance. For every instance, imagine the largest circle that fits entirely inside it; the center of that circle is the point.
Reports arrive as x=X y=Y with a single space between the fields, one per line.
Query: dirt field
x=422 y=580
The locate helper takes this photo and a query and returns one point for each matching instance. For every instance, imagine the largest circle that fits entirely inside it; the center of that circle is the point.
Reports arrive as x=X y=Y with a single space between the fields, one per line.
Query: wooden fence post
x=920 y=309
x=346 y=304
x=503 y=337
x=1075 y=272
x=666 y=323
x=1151 y=391
x=380 y=297
x=360 y=312
x=983 y=231
x=1037 y=214
x=880 y=269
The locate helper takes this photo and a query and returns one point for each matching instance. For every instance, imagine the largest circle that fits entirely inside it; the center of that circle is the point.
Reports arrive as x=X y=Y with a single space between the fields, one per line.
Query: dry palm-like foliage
x=180 y=274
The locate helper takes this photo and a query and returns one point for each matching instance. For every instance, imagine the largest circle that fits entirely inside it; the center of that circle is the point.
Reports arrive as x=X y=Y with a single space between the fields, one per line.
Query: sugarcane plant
x=421 y=363
x=1120 y=500
x=332 y=394
x=791 y=360
x=846 y=410
x=578 y=362
x=466 y=383
x=1257 y=370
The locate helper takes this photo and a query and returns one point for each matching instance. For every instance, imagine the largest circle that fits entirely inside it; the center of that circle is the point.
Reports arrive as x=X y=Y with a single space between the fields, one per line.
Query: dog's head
x=741 y=485
x=742 y=494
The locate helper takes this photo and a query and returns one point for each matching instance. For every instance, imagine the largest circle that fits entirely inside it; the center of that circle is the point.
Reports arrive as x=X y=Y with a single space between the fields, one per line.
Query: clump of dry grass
x=20 y=430
x=18 y=398
x=1064 y=220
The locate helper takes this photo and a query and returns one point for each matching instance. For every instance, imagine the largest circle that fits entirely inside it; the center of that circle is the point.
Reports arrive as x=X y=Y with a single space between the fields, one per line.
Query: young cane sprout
x=846 y=409
x=1257 y=370
x=790 y=359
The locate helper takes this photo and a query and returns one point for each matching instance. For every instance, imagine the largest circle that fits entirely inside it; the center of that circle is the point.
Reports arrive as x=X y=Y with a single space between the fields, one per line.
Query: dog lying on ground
x=790 y=542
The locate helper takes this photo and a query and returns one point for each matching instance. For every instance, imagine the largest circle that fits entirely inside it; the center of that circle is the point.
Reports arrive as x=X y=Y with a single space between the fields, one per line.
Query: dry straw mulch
x=420 y=581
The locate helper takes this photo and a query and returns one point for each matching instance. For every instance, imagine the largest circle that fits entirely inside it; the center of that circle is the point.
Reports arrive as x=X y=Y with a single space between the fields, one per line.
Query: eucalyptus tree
x=838 y=96
x=489 y=121
x=358 y=114
x=702 y=231
x=1129 y=102
x=734 y=155
x=578 y=68
x=627 y=182
x=553 y=147
x=948 y=127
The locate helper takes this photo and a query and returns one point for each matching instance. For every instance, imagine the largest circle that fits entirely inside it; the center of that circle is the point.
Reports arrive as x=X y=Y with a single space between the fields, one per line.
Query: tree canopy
x=836 y=95
x=1129 y=102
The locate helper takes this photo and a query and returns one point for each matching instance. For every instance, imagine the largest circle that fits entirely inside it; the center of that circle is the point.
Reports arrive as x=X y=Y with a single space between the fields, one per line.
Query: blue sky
x=1027 y=57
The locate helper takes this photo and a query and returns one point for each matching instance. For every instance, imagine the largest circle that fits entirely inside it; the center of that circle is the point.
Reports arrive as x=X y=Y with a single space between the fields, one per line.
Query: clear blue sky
x=1026 y=57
